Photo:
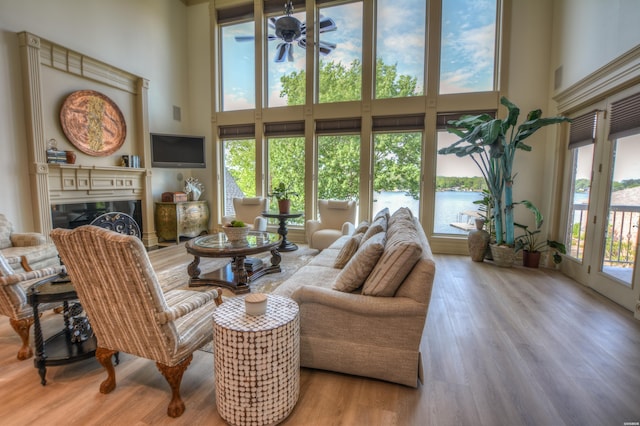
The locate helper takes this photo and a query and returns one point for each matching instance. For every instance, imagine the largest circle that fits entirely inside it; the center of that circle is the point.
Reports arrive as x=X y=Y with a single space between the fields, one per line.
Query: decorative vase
x=531 y=259
x=71 y=157
x=284 y=206
x=503 y=255
x=478 y=241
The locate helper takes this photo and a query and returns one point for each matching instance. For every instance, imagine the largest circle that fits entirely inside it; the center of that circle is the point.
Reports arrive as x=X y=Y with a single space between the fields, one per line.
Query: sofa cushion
x=401 y=253
x=362 y=227
x=361 y=264
x=378 y=225
x=308 y=275
x=347 y=251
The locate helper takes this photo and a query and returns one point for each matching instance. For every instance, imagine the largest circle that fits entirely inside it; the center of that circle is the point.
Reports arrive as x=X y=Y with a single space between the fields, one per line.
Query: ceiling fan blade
x=302 y=43
x=281 y=52
x=289 y=52
x=324 y=47
x=327 y=24
x=244 y=38
x=272 y=37
x=303 y=29
x=272 y=22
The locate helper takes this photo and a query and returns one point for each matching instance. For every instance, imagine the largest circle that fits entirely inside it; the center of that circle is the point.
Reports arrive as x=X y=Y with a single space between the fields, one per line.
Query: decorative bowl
x=236 y=233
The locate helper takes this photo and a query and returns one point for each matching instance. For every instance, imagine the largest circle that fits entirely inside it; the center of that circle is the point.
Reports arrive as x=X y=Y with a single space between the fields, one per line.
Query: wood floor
x=501 y=347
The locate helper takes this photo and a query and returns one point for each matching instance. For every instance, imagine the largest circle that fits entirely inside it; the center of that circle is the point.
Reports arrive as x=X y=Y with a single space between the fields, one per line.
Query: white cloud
x=468 y=60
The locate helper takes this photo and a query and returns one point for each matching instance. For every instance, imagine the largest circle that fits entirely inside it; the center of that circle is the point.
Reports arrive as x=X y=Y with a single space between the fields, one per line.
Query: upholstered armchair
x=26 y=250
x=14 y=302
x=249 y=210
x=128 y=310
x=337 y=218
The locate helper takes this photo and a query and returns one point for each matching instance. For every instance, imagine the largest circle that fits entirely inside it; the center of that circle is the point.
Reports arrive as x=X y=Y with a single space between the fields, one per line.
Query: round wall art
x=93 y=123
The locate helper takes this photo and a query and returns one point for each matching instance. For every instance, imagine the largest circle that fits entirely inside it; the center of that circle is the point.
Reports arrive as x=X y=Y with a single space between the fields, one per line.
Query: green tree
x=397 y=155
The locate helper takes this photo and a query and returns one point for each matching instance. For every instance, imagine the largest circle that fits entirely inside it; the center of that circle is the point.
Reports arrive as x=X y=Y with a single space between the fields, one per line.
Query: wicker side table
x=257 y=361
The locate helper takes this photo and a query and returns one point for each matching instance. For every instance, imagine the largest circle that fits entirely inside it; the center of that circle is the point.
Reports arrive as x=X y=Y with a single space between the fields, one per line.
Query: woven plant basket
x=503 y=255
x=236 y=233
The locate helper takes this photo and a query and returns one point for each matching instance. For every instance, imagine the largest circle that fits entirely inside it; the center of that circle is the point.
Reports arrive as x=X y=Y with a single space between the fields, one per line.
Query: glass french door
x=603 y=204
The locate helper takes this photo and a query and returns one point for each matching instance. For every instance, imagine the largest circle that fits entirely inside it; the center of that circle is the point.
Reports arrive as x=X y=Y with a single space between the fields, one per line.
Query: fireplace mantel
x=70 y=183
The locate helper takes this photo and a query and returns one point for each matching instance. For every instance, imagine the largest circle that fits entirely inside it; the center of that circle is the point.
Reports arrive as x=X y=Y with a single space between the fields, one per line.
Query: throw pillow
x=401 y=253
x=347 y=251
x=382 y=213
x=379 y=225
x=401 y=219
x=5 y=268
x=361 y=264
x=362 y=227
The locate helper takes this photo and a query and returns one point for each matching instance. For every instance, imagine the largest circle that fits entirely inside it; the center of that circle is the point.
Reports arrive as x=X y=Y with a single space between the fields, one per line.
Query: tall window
x=239 y=171
x=238 y=53
x=285 y=62
x=338 y=167
x=286 y=164
x=396 y=171
x=459 y=186
x=581 y=144
x=400 y=47
x=340 y=53
x=467 y=55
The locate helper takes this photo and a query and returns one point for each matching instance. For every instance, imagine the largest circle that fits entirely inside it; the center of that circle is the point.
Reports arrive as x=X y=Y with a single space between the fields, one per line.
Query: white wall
x=588 y=34
x=145 y=37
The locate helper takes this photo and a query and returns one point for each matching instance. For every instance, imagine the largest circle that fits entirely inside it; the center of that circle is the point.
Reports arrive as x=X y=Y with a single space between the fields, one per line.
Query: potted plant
x=532 y=245
x=283 y=194
x=492 y=143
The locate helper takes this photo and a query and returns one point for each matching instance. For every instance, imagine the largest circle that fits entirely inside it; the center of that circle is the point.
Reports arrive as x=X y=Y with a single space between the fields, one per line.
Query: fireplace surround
x=50 y=72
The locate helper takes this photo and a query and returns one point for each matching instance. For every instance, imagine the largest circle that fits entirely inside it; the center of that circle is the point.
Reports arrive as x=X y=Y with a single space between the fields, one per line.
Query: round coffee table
x=233 y=275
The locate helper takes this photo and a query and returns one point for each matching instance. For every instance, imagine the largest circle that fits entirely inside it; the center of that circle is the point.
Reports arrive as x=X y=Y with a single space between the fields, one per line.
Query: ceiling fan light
x=288 y=28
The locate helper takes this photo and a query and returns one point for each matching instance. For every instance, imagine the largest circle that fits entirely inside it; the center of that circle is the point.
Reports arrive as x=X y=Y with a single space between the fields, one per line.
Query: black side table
x=285 y=245
x=60 y=348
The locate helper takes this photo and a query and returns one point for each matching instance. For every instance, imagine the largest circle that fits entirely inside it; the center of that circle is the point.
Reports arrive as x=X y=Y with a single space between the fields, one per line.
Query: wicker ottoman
x=257 y=361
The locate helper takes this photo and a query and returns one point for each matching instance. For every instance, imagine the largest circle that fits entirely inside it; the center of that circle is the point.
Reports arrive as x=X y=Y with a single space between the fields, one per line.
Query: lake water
x=449 y=205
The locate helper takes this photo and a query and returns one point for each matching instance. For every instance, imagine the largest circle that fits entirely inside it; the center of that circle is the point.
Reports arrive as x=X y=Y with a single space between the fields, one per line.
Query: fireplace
x=72 y=215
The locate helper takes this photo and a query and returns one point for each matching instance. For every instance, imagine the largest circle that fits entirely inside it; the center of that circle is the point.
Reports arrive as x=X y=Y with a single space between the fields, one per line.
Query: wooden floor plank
x=501 y=347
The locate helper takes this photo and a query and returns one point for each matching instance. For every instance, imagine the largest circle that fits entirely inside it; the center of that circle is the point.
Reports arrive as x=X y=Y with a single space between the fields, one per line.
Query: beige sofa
x=374 y=330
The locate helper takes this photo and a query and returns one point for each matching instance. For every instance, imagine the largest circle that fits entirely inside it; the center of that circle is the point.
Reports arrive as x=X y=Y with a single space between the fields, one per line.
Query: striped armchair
x=122 y=296
x=14 y=303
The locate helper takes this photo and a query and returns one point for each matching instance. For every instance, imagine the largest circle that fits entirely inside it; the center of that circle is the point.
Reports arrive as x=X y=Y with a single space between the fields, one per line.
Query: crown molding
x=618 y=74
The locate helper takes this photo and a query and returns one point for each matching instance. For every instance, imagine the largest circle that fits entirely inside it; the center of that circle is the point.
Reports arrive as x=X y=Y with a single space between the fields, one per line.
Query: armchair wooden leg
x=104 y=358
x=174 y=378
x=22 y=328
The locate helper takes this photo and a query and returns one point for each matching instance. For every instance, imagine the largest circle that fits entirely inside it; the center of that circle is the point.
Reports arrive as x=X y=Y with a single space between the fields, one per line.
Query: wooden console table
x=184 y=219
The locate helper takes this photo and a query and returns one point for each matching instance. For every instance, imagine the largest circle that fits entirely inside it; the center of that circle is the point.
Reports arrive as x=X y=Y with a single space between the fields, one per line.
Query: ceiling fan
x=290 y=30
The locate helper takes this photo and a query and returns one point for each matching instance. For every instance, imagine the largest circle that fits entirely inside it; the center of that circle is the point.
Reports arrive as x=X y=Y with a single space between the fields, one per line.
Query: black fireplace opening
x=72 y=215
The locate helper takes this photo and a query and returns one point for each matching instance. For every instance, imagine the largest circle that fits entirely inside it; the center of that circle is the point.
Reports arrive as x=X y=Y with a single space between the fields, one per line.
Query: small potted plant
x=283 y=194
x=532 y=245
x=236 y=231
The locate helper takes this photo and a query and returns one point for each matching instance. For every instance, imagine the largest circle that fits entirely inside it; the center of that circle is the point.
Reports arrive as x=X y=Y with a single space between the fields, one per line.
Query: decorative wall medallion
x=93 y=123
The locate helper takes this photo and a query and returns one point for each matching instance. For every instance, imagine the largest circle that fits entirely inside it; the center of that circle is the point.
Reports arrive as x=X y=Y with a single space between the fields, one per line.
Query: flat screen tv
x=177 y=151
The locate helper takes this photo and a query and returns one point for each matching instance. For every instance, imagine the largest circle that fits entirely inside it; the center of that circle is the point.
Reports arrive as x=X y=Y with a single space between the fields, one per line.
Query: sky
x=468 y=34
